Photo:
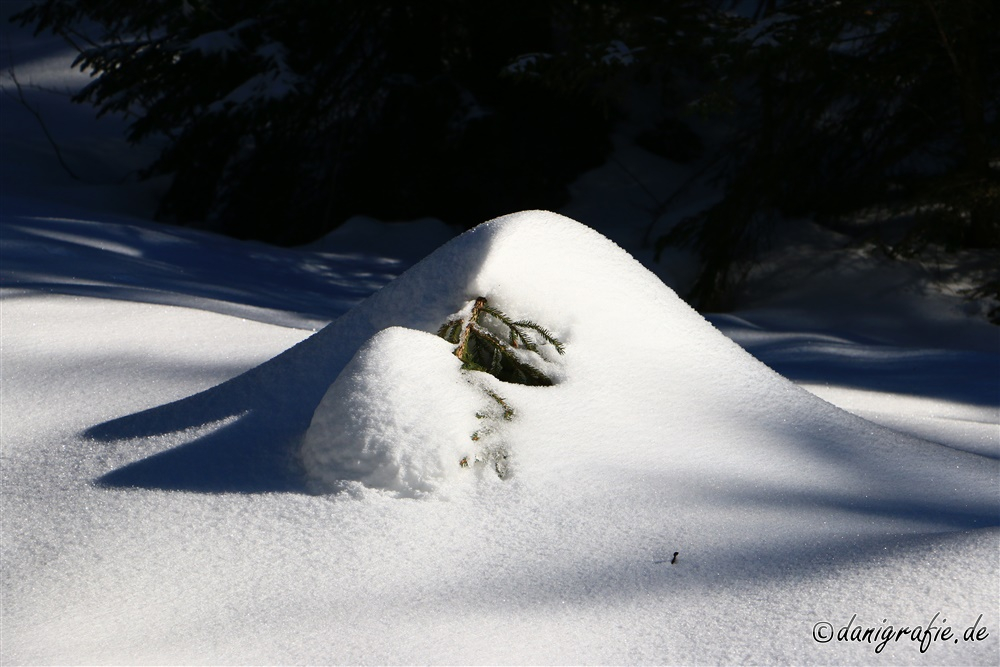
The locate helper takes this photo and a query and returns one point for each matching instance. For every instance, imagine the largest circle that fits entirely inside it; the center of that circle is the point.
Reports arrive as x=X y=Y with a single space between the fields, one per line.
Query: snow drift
x=397 y=417
x=198 y=543
x=648 y=388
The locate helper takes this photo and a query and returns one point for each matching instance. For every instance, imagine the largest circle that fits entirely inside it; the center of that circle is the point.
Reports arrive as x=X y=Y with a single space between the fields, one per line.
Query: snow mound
x=397 y=417
x=197 y=543
x=646 y=387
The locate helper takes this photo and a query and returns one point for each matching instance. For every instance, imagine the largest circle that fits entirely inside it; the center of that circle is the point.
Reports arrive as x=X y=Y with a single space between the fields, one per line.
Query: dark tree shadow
x=266 y=410
x=966 y=376
x=129 y=262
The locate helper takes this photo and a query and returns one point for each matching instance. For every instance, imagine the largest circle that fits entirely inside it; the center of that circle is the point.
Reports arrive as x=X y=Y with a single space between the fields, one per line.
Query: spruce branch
x=450 y=330
x=544 y=333
x=515 y=331
x=463 y=341
x=508 y=412
x=488 y=352
x=481 y=349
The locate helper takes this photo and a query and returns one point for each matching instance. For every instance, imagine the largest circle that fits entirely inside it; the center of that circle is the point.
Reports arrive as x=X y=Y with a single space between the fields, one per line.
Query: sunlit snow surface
x=157 y=385
x=144 y=521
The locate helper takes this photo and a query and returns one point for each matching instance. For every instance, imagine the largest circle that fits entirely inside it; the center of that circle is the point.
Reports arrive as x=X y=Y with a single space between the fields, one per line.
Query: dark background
x=280 y=120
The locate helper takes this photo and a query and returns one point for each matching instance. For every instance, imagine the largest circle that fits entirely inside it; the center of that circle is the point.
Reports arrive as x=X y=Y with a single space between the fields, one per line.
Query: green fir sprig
x=482 y=350
x=502 y=357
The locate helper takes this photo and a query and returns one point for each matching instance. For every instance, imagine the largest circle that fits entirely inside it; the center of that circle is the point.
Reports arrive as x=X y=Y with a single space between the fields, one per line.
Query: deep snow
x=157 y=384
x=637 y=355
x=137 y=529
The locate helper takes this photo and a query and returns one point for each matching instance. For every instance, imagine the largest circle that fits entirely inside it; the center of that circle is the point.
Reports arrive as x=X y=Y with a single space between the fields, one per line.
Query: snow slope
x=152 y=514
x=156 y=385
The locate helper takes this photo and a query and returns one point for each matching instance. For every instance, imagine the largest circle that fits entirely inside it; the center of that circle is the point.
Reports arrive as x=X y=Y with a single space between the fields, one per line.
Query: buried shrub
x=489 y=341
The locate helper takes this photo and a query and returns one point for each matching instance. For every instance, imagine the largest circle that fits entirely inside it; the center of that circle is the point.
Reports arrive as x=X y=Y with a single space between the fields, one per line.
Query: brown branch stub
x=463 y=342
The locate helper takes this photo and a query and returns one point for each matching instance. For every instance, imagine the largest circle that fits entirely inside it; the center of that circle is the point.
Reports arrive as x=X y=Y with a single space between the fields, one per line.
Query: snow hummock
x=157 y=506
x=158 y=384
x=649 y=385
x=397 y=418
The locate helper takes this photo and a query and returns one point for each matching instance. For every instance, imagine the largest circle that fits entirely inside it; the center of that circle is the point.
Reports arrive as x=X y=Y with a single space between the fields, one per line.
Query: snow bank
x=647 y=387
x=149 y=518
x=397 y=417
x=404 y=392
x=146 y=523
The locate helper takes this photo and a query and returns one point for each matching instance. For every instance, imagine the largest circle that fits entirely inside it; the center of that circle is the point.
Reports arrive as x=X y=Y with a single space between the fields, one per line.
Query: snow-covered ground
x=161 y=385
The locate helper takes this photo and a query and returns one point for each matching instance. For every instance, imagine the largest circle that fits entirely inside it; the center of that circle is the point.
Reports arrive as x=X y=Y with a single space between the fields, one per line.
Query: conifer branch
x=480 y=349
x=508 y=412
x=463 y=342
x=545 y=333
x=450 y=330
x=515 y=331
x=502 y=360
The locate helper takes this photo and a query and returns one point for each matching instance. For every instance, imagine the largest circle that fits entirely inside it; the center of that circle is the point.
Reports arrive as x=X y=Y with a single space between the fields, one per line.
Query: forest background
x=279 y=120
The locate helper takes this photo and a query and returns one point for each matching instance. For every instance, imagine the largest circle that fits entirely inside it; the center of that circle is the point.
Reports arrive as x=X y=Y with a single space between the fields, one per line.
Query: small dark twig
x=656 y=200
x=41 y=122
x=672 y=561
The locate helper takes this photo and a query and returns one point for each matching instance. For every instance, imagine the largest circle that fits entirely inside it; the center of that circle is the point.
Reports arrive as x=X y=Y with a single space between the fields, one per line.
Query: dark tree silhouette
x=283 y=117
x=887 y=108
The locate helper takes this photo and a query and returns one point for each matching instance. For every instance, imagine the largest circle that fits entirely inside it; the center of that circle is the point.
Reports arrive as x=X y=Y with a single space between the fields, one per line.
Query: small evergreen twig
x=508 y=412
x=544 y=333
x=482 y=350
x=479 y=349
x=450 y=330
x=503 y=362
